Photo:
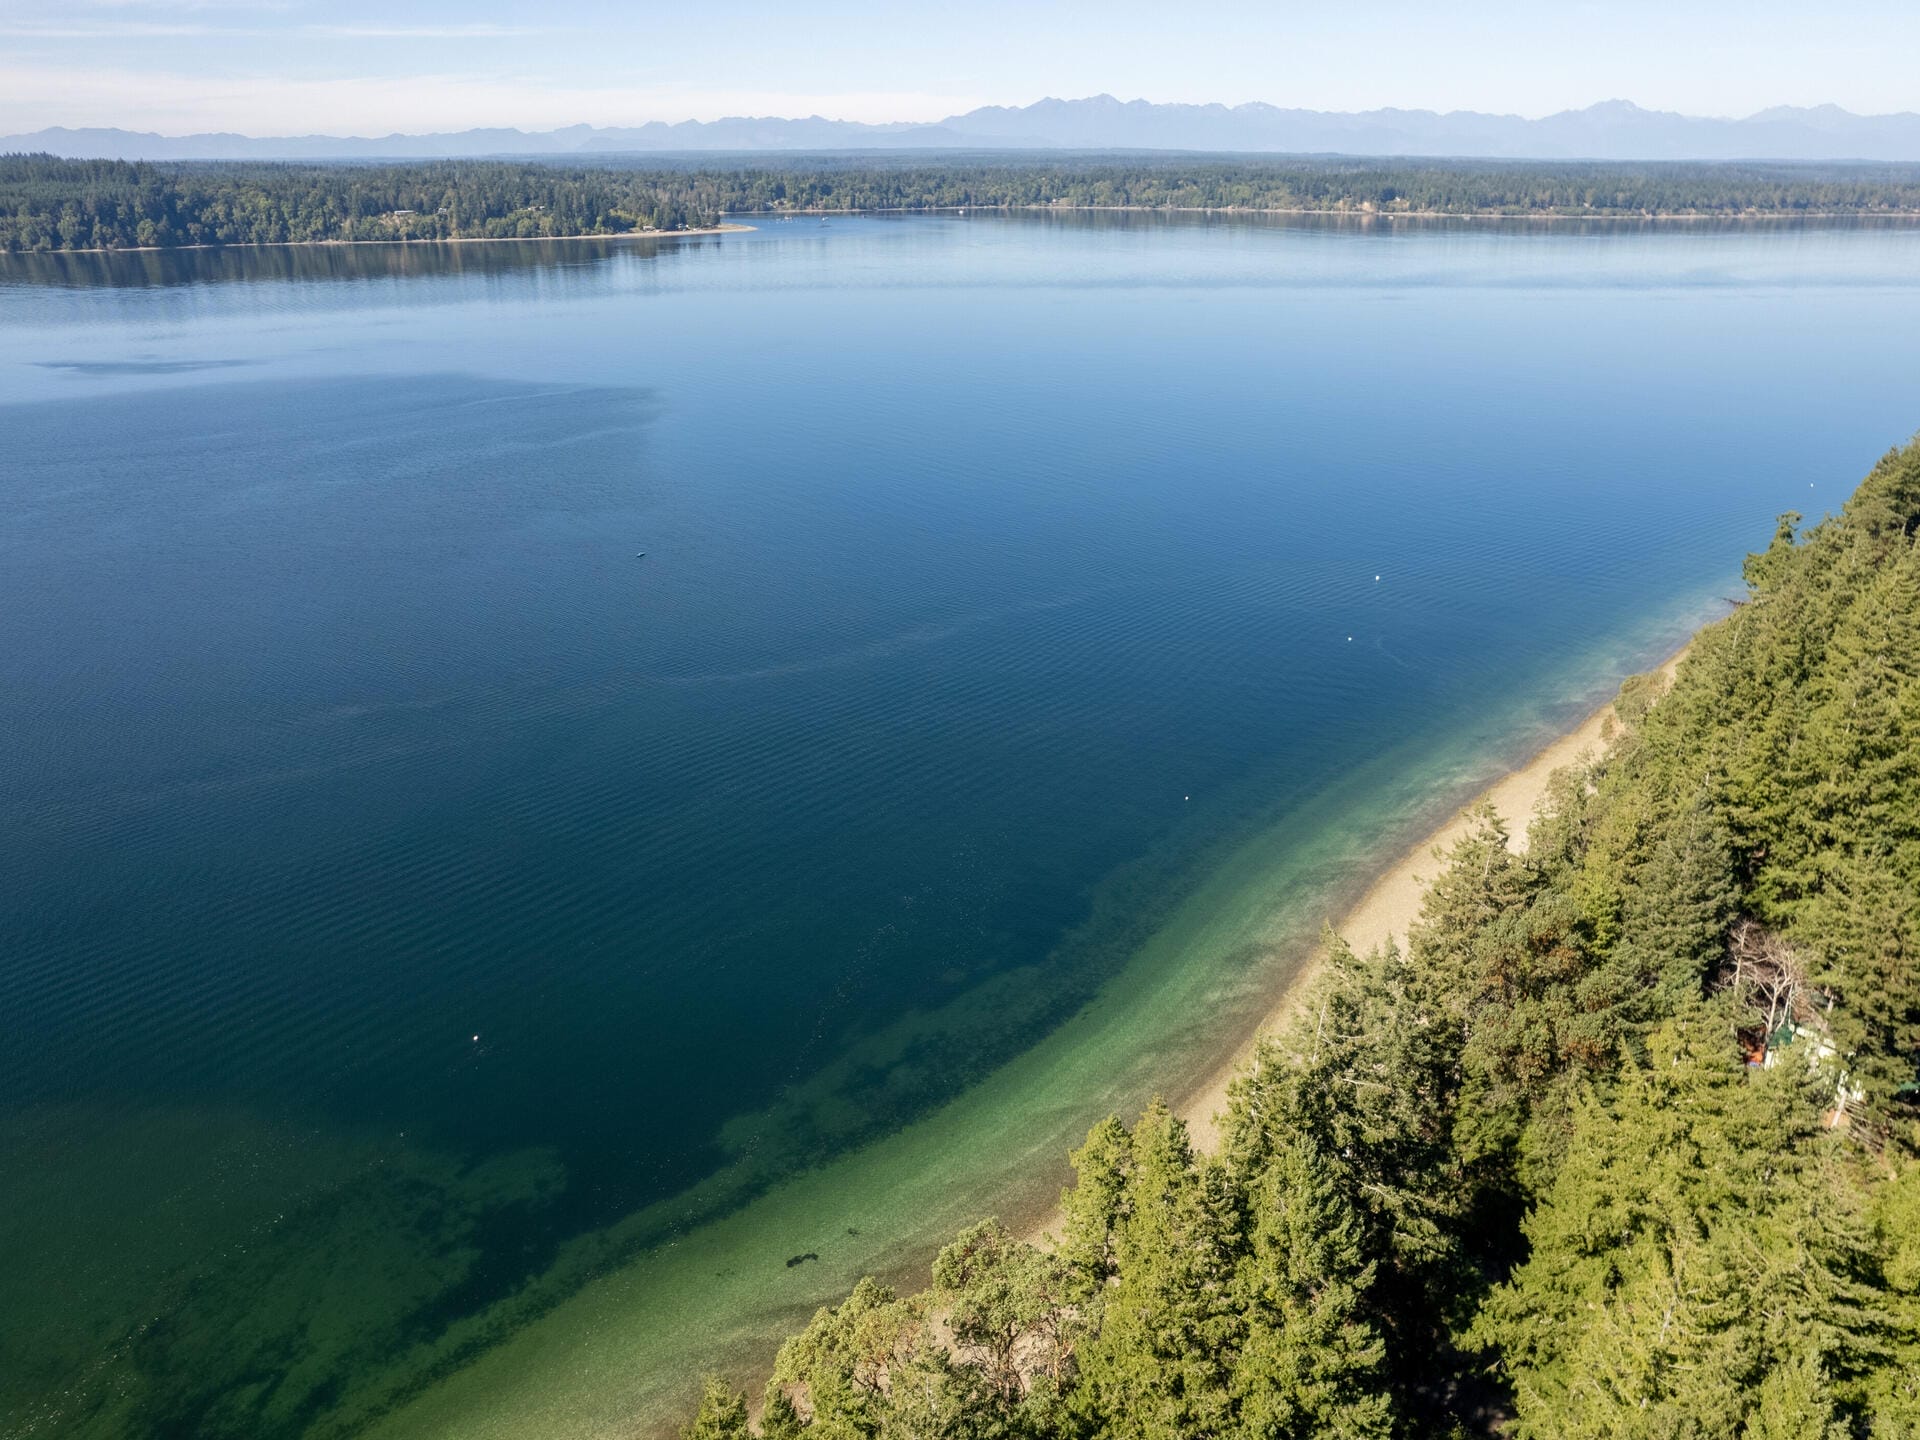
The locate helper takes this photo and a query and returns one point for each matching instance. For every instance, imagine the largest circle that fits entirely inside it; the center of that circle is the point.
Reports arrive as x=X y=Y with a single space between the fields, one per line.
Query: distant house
x=1821 y=1055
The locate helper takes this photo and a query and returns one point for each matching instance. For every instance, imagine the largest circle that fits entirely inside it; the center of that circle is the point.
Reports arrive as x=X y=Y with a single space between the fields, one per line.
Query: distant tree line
x=1341 y=185
x=1623 y=1146
x=52 y=204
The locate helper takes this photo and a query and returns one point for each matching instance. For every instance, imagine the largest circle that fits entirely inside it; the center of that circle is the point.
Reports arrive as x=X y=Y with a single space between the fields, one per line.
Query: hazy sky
x=345 y=66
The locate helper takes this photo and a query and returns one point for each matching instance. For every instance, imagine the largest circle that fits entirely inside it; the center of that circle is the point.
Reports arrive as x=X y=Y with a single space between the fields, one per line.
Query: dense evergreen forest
x=1625 y=1144
x=53 y=204
x=49 y=204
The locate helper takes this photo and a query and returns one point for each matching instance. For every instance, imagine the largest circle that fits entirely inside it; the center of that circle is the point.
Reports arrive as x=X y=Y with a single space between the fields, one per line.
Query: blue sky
x=342 y=66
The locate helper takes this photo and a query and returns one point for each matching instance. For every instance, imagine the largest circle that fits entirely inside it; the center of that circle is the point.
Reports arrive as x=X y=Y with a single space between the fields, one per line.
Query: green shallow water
x=452 y=964
x=1198 y=984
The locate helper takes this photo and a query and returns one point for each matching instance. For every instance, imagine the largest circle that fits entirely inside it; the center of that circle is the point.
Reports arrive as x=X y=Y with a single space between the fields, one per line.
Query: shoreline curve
x=1391 y=904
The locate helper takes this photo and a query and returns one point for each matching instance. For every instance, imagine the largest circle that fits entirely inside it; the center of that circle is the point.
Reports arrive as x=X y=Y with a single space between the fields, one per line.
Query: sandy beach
x=1392 y=903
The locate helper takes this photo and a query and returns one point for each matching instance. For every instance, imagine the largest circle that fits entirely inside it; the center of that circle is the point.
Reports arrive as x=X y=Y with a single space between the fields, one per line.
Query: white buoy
x=1376 y=577
x=476 y=1039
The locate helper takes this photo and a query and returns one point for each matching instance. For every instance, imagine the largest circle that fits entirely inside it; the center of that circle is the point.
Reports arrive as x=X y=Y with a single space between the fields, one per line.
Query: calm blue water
x=402 y=880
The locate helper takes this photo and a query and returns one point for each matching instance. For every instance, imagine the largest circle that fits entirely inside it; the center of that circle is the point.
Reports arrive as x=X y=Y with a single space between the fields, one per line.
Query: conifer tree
x=1158 y=1367
x=1893 y=1392
x=722 y=1414
x=1313 y=1363
x=1097 y=1205
x=1794 y=1402
x=779 y=1420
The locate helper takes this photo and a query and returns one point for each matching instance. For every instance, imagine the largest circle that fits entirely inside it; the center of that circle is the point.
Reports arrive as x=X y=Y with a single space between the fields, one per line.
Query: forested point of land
x=1626 y=1142
x=52 y=204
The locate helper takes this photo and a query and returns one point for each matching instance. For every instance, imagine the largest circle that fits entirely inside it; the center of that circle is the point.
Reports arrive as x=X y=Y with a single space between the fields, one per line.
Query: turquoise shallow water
x=451 y=963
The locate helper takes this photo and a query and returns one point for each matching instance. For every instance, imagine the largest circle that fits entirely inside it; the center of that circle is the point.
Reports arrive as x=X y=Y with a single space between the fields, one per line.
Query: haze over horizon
x=1615 y=131
x=293 y=67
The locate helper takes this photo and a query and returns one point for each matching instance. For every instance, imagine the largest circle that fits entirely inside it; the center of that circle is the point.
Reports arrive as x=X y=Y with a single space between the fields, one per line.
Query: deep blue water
x=402 y=878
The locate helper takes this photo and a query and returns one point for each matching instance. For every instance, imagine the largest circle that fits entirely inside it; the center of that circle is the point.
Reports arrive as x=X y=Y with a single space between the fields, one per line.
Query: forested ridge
x=1624 y=1144
x=52 y=204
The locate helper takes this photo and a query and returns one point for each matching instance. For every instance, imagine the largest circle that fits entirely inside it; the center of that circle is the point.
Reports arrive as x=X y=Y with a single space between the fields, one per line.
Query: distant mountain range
x=1613 y=130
